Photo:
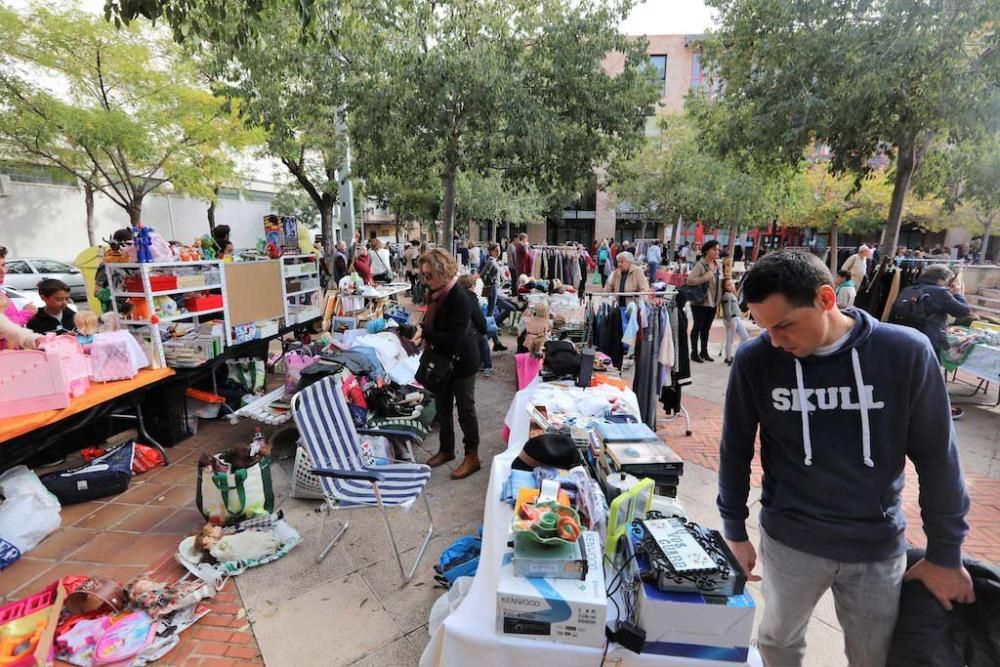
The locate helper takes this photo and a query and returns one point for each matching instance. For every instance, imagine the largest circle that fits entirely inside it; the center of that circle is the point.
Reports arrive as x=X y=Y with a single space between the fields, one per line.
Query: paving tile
x=142 y=520
x=419 y=638
x=141 y=492
x=22 y=572
x=399 y=653
x=181 y=522
x=62 y=543
x=107 y=517
x=409 y=603
x=116 y=548
x=335 y=624
x=181 y=495
x=176 y=473
x=70 y=514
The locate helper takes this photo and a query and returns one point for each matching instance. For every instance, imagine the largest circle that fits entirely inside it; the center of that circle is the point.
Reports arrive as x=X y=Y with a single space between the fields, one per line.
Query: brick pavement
x=702 y=448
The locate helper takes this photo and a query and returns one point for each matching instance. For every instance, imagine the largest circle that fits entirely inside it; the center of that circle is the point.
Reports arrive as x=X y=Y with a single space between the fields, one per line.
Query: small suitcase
x=107 y=475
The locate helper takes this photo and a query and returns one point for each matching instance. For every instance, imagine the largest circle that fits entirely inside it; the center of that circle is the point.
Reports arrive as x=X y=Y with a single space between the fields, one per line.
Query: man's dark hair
x=123 y=235
x=415 y=243
x=708 y=245
x=221 y=233
x=50 y=286
x=792 y=273
x=492 y=247
x=846 y=275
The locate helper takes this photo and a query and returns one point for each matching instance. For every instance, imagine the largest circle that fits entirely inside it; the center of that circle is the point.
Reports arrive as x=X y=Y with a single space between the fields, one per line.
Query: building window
x=229 y=193
x=659 y=63
x=258 y=196
x=36 y=173
x=697 y=74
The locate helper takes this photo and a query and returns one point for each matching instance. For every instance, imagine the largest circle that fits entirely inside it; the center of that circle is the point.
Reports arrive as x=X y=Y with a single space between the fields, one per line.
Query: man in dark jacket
x=926 y=305
x=841 y=401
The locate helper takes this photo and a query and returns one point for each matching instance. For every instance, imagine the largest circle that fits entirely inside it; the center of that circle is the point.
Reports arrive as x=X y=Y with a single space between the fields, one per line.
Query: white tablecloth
x=468 y=636
x=983 y=362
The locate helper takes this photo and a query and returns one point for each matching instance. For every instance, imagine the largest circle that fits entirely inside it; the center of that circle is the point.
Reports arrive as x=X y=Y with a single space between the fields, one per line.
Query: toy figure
x=248 y=545
x=142 y=243
x=165 y=306
x=86 y=326
x=140 y=309
x=111 y=321
x=209 y=248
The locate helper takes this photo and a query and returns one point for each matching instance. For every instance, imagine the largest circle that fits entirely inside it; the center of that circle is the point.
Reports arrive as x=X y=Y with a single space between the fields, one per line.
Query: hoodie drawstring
x=866 y=435
x=804 y=405
x=859 y=384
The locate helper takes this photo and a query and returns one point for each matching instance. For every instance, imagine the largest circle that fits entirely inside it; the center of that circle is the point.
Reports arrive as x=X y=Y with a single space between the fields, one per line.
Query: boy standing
x=55 y=316
x=841 y=401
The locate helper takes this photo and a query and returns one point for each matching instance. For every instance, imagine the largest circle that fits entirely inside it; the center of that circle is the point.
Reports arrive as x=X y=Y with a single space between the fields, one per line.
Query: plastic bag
x=28 y=514
x=448 y=603
x=376 y=451
x=295 y=361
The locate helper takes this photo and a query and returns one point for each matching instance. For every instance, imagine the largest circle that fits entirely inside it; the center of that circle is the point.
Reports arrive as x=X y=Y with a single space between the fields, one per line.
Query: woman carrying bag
x=450 y=359
x=380 y=262
x=704 y=285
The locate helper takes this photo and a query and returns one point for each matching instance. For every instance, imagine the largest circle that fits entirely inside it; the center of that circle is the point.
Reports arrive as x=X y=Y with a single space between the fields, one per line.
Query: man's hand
x=746 y=556
x=947 y=584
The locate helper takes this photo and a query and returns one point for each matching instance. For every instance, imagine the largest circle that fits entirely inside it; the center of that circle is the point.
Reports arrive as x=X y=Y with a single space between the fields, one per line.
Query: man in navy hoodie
x=831 y=514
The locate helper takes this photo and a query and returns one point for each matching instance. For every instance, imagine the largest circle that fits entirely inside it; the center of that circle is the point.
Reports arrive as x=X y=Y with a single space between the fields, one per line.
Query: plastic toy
x=165 y=306
x=209 y=249
x=86 y=326
x=140 y=309
x=142 y=242
x=125 y=639
x=75 y=364
x=31 y=381
x=546 y=523
x=28 y=626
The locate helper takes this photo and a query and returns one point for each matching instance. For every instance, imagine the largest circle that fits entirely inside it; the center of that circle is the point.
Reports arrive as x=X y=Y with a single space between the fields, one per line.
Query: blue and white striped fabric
x=328 y=434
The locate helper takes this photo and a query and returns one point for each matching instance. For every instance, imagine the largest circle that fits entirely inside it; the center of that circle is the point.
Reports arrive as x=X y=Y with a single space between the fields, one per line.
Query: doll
x=85 y=323
x=247 y=545
x=111 y=321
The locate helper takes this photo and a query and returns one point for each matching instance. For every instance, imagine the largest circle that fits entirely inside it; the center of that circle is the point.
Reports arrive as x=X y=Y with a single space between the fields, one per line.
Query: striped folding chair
x=328 y=434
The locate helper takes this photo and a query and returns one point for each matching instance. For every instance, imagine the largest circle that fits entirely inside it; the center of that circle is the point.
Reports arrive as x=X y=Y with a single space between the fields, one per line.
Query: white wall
x=38 y=219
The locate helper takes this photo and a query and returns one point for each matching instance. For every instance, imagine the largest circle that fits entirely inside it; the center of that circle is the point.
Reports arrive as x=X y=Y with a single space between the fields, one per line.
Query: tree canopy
x=863 y=78
x=515 y=87
x=132 y=117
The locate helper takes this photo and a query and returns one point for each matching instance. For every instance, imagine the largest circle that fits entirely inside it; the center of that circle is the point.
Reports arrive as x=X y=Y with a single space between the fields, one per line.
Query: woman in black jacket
x=448 y=328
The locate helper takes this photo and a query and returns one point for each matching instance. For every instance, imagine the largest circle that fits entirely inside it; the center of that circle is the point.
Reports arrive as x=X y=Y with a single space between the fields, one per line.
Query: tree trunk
x=984 y=253
x=88 y=204
x=398 y=219
x=448 y=180
x=834 y=250
x=326 y=229
x=907 y=161
x=211 y=216
x=675 y=236
x=733 y=231
x=506 y=229
x=134 y=210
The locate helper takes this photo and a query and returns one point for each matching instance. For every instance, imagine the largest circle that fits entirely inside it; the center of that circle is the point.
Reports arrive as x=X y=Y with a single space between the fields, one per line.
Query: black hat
x=549 y=449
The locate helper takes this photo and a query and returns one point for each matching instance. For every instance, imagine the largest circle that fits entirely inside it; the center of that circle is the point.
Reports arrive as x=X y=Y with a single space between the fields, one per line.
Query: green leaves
x=132 y=116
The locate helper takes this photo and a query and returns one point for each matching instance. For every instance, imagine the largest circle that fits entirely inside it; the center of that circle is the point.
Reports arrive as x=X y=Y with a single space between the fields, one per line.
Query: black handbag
x=435 y=370
x=695 y=294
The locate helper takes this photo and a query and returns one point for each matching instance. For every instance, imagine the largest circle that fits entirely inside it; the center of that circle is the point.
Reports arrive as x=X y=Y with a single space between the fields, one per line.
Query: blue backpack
x=459 y=559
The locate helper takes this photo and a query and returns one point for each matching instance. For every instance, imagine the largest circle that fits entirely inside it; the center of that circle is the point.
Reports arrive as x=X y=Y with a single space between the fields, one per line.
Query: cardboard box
x=560 y=610
x=689 y=625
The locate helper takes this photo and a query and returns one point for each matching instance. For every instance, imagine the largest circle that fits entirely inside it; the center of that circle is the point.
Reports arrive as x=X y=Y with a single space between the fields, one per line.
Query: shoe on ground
x=469 y=465
x=440 y=459
x=695 y=358
x=488 y=372
x=705 y=356
x=729 y=362
x=500 y=347
x=957 y=413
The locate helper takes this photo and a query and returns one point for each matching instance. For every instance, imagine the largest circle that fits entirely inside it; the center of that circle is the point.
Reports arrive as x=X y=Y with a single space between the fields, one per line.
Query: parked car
x=24 y=273
x=23 y=298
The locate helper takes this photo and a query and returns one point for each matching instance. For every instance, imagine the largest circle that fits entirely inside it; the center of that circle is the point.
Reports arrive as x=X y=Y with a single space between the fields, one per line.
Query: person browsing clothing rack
x=705 y=272
x=448 y=328
x=628 y=277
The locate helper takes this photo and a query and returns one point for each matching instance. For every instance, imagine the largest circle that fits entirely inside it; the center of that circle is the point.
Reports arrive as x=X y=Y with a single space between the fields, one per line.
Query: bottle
x=257 y=443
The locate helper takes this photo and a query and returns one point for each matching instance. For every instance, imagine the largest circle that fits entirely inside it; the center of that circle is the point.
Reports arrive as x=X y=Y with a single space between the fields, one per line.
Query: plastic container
x=207 y=302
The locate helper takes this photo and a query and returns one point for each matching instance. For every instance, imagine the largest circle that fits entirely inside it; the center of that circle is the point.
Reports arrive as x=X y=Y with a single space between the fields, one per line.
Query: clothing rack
x=668 y=293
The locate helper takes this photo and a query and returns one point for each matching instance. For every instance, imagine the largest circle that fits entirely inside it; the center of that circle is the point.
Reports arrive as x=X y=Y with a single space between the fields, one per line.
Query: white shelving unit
x=301 y=289
x=214 y=283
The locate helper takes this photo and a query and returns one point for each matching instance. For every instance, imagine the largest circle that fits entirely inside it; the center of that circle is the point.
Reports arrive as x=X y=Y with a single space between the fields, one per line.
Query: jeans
x=460 y=392
x=504 y=308
x=866 y=597
x=485 y=355
x=702 y=317
x=734 y=328
x=653 y=266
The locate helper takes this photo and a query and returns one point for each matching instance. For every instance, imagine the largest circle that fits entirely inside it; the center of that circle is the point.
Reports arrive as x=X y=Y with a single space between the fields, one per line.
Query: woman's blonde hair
x=376 y=243
x=443 y=266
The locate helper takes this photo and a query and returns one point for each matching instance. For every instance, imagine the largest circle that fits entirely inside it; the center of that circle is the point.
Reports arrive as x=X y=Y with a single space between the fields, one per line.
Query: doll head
x=208 y=537
x=85 y=323
x=110 y=322
x=542 y=310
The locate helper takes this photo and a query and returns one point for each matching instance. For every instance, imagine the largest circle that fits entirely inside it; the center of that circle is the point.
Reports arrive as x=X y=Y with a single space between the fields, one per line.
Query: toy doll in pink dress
x=18 y=316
